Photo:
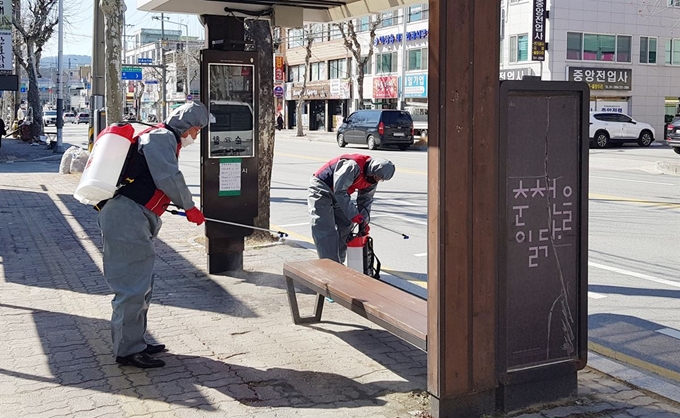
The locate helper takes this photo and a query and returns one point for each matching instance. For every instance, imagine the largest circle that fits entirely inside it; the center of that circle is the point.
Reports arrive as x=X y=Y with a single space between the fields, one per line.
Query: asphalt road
x=634 y=225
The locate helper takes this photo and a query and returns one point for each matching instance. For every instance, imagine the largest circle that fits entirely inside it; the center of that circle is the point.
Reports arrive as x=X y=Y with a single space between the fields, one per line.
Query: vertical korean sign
x=6 y=17
x=538 y=35
x=543 y=224
x=278 y=69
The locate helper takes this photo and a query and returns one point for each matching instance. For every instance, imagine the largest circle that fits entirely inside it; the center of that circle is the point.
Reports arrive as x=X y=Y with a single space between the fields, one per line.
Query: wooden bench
x=399 y=312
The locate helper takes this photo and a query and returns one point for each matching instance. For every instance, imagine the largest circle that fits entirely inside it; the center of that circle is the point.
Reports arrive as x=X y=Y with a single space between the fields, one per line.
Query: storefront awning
x=307 y=10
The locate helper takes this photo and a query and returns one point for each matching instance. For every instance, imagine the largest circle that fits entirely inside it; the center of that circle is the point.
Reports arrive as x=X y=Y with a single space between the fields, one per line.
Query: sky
x=78 y=30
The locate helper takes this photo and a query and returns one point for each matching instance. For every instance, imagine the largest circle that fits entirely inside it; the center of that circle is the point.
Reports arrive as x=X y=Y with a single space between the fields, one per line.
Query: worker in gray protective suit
x=131 y=219
x=330 y=200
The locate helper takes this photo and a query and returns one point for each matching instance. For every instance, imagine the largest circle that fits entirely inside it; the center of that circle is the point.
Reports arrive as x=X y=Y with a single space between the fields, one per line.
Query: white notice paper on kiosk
x=230 y=178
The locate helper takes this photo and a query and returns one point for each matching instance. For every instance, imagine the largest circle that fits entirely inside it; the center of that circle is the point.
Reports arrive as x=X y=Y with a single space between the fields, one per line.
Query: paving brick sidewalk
x=234 y=351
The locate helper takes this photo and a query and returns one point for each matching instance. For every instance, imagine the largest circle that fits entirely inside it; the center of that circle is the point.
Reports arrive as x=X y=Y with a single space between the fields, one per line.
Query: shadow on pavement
x=40 y=248
x=78 y=357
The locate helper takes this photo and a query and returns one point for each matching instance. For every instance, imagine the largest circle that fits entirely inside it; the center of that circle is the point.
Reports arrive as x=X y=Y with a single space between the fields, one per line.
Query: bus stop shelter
x=463 y=182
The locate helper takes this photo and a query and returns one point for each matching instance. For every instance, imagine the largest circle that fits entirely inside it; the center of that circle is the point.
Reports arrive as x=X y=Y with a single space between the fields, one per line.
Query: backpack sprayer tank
x=105 y=165
x=360 y=256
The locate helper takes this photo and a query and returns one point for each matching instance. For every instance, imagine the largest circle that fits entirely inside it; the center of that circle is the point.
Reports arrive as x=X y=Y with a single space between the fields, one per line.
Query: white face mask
x=187 y=141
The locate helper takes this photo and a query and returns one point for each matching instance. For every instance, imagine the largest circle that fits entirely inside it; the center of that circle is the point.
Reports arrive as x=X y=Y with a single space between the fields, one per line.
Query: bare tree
x=113 y=13
x=353 y=45
x=309 y=40
x=260 y=32
x=34 y=28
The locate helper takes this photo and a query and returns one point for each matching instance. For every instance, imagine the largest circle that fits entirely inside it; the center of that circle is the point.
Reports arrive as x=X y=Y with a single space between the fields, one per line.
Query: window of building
x=317 y=71
x=674 y=3
x=362 y=24
x=337 y=69
x=673 y=51
x=419 y=12
x=296 y=73
x=386 y=63
x=519 y=48
x=594 y=47
x=417 y=59
x=334 y=31
x=389 y=19
x=295 y=37
x=647 y=50
x=368 y=68
x=574 y=46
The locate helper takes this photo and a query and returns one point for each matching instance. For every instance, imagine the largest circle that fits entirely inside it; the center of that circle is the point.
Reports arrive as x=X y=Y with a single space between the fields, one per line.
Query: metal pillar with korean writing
x=229 y=157
x=543 y=196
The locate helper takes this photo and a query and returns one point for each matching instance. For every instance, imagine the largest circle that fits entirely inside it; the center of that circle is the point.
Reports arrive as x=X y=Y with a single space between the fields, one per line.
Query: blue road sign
x=144 y=60
x=190 y=97
x=131 y=73
x=278 y=91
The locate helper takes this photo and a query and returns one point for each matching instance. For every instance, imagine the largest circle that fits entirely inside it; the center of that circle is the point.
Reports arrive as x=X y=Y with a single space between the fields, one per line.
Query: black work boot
x=141 y=360
x=154 y=348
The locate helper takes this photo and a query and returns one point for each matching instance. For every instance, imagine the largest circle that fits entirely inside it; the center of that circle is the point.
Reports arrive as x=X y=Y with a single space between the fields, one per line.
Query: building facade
x=144 y=97
x=395 y=77
x=628 y=53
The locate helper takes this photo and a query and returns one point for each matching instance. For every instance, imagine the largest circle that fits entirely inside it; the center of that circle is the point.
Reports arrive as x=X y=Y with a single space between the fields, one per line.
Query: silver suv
x=607 y=128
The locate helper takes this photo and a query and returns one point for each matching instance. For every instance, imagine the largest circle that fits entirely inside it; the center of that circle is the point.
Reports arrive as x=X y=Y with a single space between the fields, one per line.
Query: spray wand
x=280 y=233
x=391 y=230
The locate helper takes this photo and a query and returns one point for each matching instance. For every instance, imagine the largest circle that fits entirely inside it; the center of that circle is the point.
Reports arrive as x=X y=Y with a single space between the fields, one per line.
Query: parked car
x=673 y=134
x=377 y=128
x=83 y=118
x=69 y=118
x=50 y=117
x=607 y=128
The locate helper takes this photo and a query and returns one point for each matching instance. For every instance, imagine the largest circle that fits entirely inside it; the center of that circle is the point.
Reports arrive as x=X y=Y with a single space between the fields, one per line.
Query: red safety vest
x=325 y=173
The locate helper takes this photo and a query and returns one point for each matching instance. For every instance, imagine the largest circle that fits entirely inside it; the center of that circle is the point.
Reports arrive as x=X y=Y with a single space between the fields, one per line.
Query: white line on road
x=670 y=332
x=632 y=181
x=633 y=274
x=420 y=255
x=594 y=295
x=398 y=202
x=289 y=225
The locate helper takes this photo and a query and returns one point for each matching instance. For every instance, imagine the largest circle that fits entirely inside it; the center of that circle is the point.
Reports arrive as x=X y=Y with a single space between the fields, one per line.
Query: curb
x=662 y=382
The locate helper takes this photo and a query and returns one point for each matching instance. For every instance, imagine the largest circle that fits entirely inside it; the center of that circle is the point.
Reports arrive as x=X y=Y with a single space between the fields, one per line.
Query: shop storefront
x=385 y=92
x=609 y=87
x=326 y=104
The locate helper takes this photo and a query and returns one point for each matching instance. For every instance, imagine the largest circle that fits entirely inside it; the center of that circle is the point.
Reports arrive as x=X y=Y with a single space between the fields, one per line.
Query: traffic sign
x=278 y=91
x=131 y=73
x=144 y=60
x=190 y=97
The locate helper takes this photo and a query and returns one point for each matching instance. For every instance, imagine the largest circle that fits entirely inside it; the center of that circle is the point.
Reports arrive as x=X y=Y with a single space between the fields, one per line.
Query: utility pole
x=16 y=5
x=97 y=73
x=404 y=60
x=164 y=86
x=60 y=94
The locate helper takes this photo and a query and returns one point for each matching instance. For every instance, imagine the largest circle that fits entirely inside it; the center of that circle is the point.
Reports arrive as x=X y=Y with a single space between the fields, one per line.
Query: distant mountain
x=76 y=61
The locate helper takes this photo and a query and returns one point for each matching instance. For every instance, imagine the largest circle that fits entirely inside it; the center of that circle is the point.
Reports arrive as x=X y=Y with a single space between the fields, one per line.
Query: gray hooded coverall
x=128 y=229
x=331 y=211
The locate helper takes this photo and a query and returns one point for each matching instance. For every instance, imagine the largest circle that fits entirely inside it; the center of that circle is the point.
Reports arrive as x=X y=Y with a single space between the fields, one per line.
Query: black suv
x=377 y=128
x=673 y=134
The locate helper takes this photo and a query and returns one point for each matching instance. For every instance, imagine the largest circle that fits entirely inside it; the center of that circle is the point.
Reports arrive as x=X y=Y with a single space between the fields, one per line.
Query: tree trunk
x=360 y=89
x=113 y=10
x=33 y=92
x=308 y=56
x=260 y=31
x=298 y=114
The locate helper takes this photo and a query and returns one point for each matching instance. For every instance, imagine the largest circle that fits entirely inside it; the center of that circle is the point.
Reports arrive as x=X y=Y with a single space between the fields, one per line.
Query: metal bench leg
x=295 y=311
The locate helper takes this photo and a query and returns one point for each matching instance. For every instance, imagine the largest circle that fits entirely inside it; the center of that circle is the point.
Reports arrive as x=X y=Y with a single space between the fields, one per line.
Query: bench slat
x=399 y=312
